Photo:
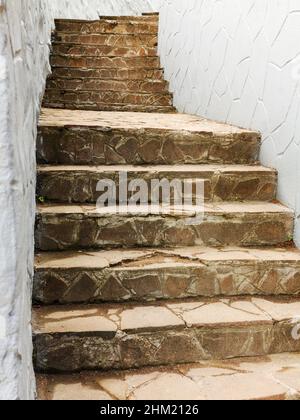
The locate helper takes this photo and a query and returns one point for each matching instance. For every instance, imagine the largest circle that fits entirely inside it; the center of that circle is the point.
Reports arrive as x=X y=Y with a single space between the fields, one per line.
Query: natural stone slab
x=274 y=377
x=124 y=337
x=93 y=98
x=98 y=106
x=144 y=275
x=87 y=137
x=108 y=85
x=107 y=26
x=78 y=184
x=90 y=50
x=112 y=40
x=144 y=75
x=105 y=62
x=62 y=227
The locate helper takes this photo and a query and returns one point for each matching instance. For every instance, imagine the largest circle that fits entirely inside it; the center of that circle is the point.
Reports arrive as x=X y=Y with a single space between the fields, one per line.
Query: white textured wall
x=24 y=33
x=92 y=9
x=239 y=61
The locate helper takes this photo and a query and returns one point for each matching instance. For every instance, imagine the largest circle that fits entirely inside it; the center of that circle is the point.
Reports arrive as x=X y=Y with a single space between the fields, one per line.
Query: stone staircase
x=144 y=305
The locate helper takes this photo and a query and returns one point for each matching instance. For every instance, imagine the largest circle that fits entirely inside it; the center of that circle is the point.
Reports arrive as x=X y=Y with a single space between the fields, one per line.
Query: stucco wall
x=239 y=62
x=24 y=34
x=92 y=9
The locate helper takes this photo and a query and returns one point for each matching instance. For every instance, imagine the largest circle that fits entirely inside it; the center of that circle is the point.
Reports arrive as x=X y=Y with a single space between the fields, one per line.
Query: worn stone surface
x=117 y=74
x=112 y=40
x=142 y=25
x=63 y=48
x=109 y=85
x=78 y=184
x=105 y=62
x=144 y=275
x=97 y=98
x=77 y=137
x=274 y=377
x=118 y=337
x=94 y=94
x=242 y=224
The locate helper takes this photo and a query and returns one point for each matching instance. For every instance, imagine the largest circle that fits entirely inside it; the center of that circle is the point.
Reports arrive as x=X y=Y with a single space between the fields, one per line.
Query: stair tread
x=134 y=120
x=135 y=318
x=141 y=258
x=210 y=208
x=273 y=377
x=200 y=168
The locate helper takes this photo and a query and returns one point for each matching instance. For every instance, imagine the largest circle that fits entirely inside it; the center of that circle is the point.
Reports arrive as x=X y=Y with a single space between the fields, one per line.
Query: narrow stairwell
x=145 y=306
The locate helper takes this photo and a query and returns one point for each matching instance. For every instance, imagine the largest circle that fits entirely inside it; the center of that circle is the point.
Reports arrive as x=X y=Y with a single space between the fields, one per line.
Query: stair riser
x=102 y=51
x=117 y=74
x=122 y=41
x=105 y=62
x=75 y=352
x=77 y=231
x=140 y=284
x=81 y=187
x=110 y=107
x=99 y=146
x=107 y=27
x=94 y=98
x=108 y=85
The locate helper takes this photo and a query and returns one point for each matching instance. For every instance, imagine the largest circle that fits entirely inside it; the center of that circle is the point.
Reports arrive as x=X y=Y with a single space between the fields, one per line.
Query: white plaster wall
x=92 y=9
x=24 y=35
x=239 y=61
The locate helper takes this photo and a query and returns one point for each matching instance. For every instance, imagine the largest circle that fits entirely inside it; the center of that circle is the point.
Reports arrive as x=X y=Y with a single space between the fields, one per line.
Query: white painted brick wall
x=239 y=61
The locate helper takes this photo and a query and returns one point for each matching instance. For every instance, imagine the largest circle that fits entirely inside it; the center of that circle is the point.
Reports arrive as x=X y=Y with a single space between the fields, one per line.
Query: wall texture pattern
x=24 y=35
x=239 y=62
x=92 y=9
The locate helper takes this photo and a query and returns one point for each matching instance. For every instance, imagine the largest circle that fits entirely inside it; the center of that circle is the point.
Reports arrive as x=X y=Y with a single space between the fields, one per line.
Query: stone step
x=142 y=75
x=86 y=62
x=78 y=184
x=275 y=377
x=98 y=138
x=74 y=50
x=144 y=18
x=141 y=86
x=108 y=26
x=150 y=274
x=90 y=97
x=112 y=40
x=110 y=107
x=63 y=227
x=74 y=338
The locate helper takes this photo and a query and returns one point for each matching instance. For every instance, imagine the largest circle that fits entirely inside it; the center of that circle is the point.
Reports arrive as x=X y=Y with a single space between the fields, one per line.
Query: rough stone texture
x=73 y=50
x=108 y=85
x=265 y=378
x=107 y=74
x=93 y=94
x=94 y=99
x=238 y=61
x=62 y=227
x=144 y=275
x=97 y=138
x=118 y=337
x=144 y=26
x=110 y=40
x=78 y=184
